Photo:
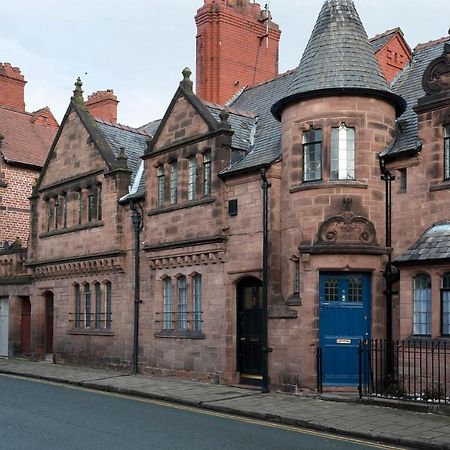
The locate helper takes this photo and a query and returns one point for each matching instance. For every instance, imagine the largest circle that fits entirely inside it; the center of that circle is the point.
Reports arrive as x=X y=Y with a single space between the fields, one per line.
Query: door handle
x=242 y=339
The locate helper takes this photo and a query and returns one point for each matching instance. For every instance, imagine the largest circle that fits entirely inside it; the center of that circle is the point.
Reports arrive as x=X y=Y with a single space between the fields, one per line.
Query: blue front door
x=344 y=319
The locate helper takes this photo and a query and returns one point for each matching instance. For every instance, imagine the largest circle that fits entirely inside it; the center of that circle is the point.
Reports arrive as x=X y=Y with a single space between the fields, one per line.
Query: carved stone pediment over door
x=345 y=233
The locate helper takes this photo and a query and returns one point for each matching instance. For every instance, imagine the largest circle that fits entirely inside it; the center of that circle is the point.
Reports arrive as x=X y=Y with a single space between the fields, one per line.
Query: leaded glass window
x=445 y=305
x=77 y=306
x=331 y=290
x=91 y=205
x=108 y=289
x=312 y=155
x=161 y=183
x=57 y=216
x=174 y=183
x=422 y=305
x=182 y=303
x=64 y=210
x=197 y=301
x=355 y=290
x=192 y=181
x=98 y=305
x=99 y=202
x=207 y=173
x=87 y=306
x=342 y=153
x=167 y=304
x=447 y=152
x=80 y=207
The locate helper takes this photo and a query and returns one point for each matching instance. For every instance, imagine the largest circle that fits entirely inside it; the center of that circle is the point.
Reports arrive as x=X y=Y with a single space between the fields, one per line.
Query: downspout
x=137 y=226
x=265 y=350
x=389 y=274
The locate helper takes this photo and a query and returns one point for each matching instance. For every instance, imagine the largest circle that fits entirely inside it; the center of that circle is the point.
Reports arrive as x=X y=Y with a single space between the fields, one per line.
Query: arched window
x=167 y=304
x=207 y=173
x=174 y=183
x=422 y=305
x=77 y=305
x=182 y=303
x=445 y=304
x=98 y=305
x=342 y=153
x=87 y=306
x=108 y=310
x=312 y=155
x=161 y=183
x=197 y=302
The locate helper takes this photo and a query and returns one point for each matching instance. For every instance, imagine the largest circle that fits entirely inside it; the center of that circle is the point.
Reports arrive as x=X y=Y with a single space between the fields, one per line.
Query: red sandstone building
x=167 y=220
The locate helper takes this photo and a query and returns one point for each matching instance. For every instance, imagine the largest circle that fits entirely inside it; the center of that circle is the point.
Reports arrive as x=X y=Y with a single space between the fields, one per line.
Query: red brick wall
x=393 y=57
x=14 y=203
x=103 y=105
x=231 y=49
x=12 y=87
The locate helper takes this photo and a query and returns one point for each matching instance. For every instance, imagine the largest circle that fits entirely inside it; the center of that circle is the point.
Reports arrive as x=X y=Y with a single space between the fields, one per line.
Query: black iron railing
x=94 y=320
x=414 y=370
x=180 y=320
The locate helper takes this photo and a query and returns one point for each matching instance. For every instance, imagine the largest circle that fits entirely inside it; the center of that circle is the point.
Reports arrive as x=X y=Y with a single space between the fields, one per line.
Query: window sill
x=90 y=332
x=442 y=186
x=309 y=185
x=189 y=204
x=84 y=226
x=294 y=300
x=180 y=334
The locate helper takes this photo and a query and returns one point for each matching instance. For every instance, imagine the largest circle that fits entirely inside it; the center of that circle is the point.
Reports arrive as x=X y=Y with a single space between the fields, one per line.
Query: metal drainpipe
x=137 y=225
x=265 y=350
x=388 y=178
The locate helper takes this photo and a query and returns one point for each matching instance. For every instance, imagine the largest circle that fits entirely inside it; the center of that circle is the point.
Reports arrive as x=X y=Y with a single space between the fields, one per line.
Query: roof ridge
x=230 y=109
x=26 y=113
x=280 y=75
x=385 y=33
x=121 y=126
x=432 y=43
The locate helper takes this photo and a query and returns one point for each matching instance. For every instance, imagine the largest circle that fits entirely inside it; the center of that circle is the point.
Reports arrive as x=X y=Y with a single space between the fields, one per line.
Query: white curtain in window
x=422 y=305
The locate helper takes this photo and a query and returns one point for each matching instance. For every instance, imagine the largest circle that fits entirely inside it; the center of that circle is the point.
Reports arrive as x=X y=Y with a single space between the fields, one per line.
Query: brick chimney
x=103 y=105
x=12 y=87
x=237 y=45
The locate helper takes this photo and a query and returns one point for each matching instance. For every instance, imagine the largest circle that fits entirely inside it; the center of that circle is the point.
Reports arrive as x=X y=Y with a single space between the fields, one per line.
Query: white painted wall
x=4 y=326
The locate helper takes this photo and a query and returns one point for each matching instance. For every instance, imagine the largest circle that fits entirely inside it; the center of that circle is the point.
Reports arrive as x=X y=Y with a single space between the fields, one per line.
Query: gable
x=73 y=154
x=183 y=122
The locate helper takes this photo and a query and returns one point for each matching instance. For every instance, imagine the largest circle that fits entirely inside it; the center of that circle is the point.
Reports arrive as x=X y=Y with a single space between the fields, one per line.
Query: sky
x=138 y=48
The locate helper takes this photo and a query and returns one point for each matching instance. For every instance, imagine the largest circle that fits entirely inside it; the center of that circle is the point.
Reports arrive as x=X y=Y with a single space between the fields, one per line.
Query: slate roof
x=409 y=85
x=150 y=127
x=339 y=58
x=434 y=244
x=132 y=140
x=25 y=142
x=267 y=139
x=242 y=123
x=380 y=40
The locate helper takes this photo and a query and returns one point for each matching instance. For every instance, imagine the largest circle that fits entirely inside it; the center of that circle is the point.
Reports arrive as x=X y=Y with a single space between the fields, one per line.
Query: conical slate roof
x=338 y=59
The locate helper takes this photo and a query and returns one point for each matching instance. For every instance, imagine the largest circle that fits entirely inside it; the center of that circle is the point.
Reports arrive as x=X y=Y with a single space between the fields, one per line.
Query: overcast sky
x=139 y=47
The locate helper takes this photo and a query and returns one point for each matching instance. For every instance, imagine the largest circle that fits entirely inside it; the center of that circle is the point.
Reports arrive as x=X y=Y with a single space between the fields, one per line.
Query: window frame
x=87 y=306
x=182 y=303
x=167 y=303
x=428 y=309
x=174 y=182
x=312 y=144
x=343 y=153
x=197 y=302
x=77 y=321
x=445 y=305
x=192 y=178
x=447 y=152
x=160 y=183
x=207 y=164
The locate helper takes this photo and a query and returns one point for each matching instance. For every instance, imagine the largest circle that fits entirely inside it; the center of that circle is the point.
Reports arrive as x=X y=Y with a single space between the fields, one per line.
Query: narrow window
x=64 y=210
x=447 y=152
x=77 y=306
x=445 y=305
x=342 y=153
x=87 y=306
x=312 y=155
x=99 y=202
x=57 y=215
x=174 y=183
x=422 y=305
x=192 y=187
x=108 y=310
x=161 y=182
x=197 y=303
x=182 y=303
x=403 y=181
x=98 y=305
x=167 y=304
x=80 y=207
x=297 y=276
x=91 y=205
x=207 y=173
x=49 y=215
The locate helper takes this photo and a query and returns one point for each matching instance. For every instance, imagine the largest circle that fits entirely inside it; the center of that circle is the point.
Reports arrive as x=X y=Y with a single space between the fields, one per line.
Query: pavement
x=344 y=415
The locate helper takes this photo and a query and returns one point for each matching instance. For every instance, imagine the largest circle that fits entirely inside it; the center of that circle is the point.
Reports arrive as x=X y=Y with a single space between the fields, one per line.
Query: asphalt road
x=36 y=415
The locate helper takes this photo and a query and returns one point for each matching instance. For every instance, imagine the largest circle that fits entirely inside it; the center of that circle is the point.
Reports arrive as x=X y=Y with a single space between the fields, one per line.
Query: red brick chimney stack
x=103 y=105
x=12 y=87
x=237 y=45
